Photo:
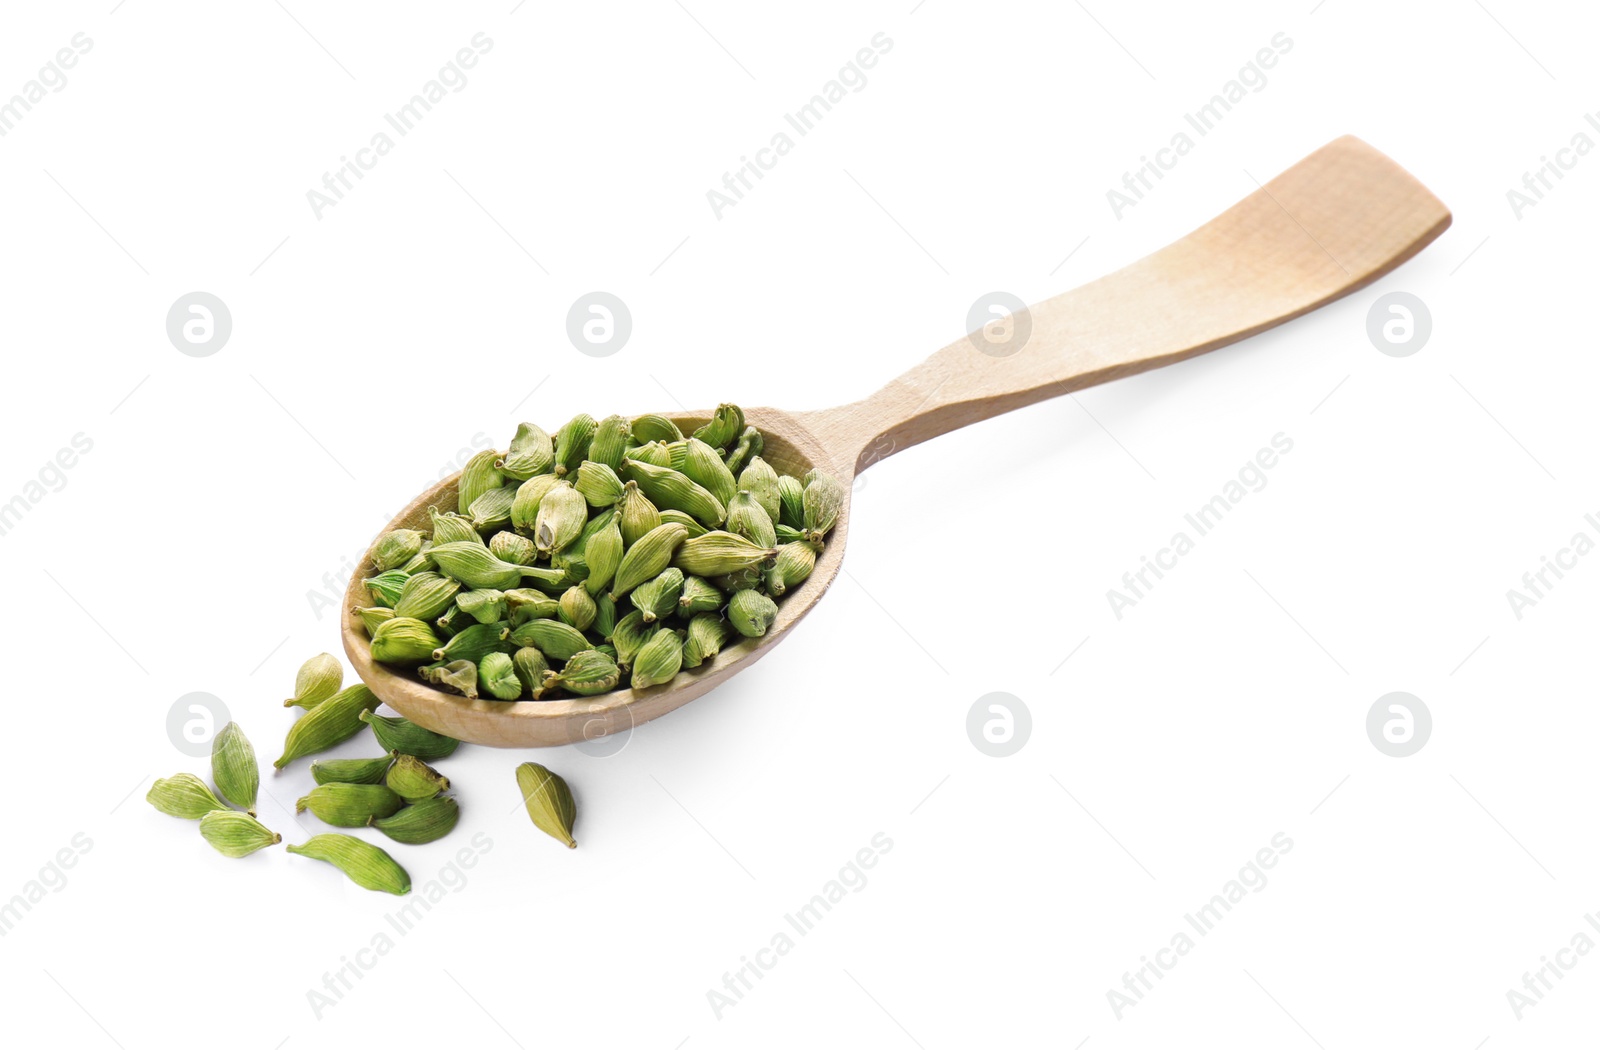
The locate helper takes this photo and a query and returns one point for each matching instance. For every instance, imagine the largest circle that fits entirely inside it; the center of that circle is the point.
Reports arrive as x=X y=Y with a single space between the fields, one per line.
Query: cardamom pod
x=451 y=527
x=719 y=553
x=588 y=673
x=549 y=801
x=526 y=604
x=577 y=608
x=403 y=641
x=750 y=445
x=513 y=549
x=234 y=769
x=703 y=465
x=370 y=618
x=657 y=597
x=485 y=605
x=572 y=443
x=761 y=481
x=656 y=428
x=327 y=725
x=791 y=497
x=670 y=488
x=557 y=640
x=183 y=795
x=236 y=834
x=724 y=428
x=656 y=453
x=477 y=477
x=474 y=566
x=629 y=636
x=636 y=515
x=413 y=779
x=395 y=548
x=598 y=484
x=532 y=452
x=319 y=678
x=752 y=613
x=530 y=666
x=647 y=558
x=748 y=518
x=823 y=500
x=385 y=587
x=472 y=642
x=408 y=738
x=605 y=616
x=350 y=805
x=671 y=516
x=698 y=596
x=788 y=533
x=658 y=660
x=743 y=580
x=791 y=567
x=531 y=493
x=363 y=863
x=422 y=822
x=351 y=770
x=420 y=561
x=561 y=517
x=603 y=552
x=458 y=676
x=497 y=676
x=704 y=639
x=425 y=596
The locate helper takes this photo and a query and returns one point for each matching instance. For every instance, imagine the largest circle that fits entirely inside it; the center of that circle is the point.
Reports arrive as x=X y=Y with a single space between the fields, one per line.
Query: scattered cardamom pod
x=413 y=779
x=327 y=725
x=234 y=769
x=319 y=678
x=349 y=805
x=421 y=822
x=183 y=795
x=236 y=834
x=408 y=738
x=549 y=801
x=363 y=863
x=351 y=770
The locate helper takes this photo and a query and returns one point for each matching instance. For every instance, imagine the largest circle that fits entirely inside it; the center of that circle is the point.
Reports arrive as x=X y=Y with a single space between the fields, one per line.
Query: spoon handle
x=1336 y=221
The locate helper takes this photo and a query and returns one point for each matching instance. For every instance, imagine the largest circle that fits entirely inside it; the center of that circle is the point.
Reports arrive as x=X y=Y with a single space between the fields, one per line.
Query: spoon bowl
x=1333 y=223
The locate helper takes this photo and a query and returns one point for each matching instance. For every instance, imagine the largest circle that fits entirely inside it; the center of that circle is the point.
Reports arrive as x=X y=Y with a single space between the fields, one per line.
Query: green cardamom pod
x=473 y=643
x=452 y=622
x=724 y=428
x=743 y=580
x=236 y=834
x=408 y=738
x=670 y=488
x=350 y=805
x=413 y=779
x=425 y=596
x=422 y=822
x=611 y=440
x=531 y=493
x=421 y=561
x=655 y=453
x=598 y=484
x=577 y=608
x=457 y=676
x=557 y=640
x=603 y=552
x=497 y=676
x=791 y=567
x=636 y=515
x=477 y=477
x=526 y=604
x=748 y=518
x=698 y=596
x=791 y=499
x=234 y=769
x=588 y=673
x=656 y=428
x=789 y=534
x=572 y=443
x=451 y=527
x=658 y=660
x=761 y=481
x=702 y=465
x=532 y=452
x=824 y=499
x=671 y=516
x=647 y=558
x=530 y=666
x=385 y=587
x=351 y=770
x=370 y=618
x=485 y=605
x=474 y=566
x=320 y=676
x=629 y=636
x=561 y=517
x=492 y=510
x=719 y=553
x=363 y=863
x=750 y=445
x=183 y=795
x=513 y=548
x=404 y=641
x=327 y=725
x=657 y=597
x=549 y=801
x=605 y=616
x=704 y=639
x=395 y=548
x=752 y=613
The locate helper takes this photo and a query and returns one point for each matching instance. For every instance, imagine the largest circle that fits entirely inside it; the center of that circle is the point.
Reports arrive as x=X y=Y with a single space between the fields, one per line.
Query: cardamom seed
x=413 y=779
x=363 y=863
x=647 y=558
x=327 y=725
x=532 y=452
x=236 y=834
x=658 y=660
x=351 y=770
x=497 y=676
x=183 y=795
x=752 y=613
x=549 y=802
x=422 y=822
x=403 y=641
x=234 y=769
x=350 y=805
x=320 y=677
x=408 y=738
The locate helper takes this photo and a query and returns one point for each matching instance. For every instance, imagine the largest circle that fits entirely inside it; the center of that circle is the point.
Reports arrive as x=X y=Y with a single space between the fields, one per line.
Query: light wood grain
x=1336 y=221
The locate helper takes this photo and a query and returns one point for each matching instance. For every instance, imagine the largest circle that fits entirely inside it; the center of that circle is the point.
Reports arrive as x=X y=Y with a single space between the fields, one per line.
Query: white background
x=371 y=345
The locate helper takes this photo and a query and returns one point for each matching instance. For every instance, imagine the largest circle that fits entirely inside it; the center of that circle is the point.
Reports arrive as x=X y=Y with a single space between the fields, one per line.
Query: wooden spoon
x=1333 y=223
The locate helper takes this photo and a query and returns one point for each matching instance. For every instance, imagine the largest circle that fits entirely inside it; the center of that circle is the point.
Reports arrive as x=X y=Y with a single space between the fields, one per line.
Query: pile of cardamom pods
x=397 y=792
x=616 y=553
